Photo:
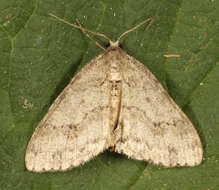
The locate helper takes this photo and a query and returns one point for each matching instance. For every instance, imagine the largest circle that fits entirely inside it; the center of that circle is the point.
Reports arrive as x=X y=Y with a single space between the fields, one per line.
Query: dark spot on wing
x=82 y=149
x=148 y=99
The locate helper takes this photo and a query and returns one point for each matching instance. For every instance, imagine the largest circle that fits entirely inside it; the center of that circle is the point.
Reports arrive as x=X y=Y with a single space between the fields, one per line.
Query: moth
x=114 y=101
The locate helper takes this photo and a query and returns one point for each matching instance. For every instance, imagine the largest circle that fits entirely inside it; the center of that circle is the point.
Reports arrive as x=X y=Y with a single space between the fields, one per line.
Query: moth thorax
x=114 y=71
x=115 y=76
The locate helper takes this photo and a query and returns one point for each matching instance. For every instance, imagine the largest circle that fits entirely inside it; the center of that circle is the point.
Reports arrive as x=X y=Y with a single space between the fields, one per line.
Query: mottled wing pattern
x=153 y=127
x=76 y=127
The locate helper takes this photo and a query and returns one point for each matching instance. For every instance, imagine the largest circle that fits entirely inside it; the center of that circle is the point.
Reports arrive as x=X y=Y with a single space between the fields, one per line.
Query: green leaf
x=39 y=55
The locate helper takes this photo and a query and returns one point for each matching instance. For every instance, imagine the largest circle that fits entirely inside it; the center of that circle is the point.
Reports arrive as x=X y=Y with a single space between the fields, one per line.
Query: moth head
x=114 y=45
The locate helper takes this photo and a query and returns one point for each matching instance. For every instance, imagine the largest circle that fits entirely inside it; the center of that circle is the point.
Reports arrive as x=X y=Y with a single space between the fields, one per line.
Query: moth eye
x=107 y=45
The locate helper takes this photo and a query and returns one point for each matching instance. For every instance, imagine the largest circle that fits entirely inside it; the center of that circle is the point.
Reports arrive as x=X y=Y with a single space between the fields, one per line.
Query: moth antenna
x=112 y=44
x=87 y=34
x=85 y=31
x=135 y=27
